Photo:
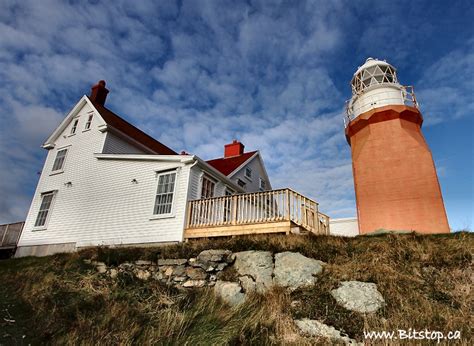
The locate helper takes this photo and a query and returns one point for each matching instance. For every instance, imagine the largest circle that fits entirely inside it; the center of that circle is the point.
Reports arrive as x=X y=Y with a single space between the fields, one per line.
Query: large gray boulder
x=258 y=265
x=319 y=329
x=293 y=270
x=230 y=292
x=358 y=296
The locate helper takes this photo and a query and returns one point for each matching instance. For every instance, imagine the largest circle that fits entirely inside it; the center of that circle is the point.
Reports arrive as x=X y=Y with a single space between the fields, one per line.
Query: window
x=164 y=194
x=88 y=123
x=59 y=161
x=74 y=126
x=241 y=183
x=207 y=190
x=248 y=172
x=263 y=184
x=45 y=206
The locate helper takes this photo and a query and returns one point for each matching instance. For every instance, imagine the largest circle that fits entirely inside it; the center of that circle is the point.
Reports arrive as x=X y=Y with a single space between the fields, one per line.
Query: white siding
x=195 y=184
x=347 y=227
x=102 y=206
x=252 y=184
x=116 y=145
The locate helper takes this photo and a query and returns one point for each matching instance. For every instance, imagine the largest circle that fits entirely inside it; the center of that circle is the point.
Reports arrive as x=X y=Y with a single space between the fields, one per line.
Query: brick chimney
x=99 y=93
x=233 y=149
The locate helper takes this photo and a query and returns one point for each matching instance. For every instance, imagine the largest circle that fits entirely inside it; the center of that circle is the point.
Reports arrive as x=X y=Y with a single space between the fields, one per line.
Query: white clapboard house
x=105 y=182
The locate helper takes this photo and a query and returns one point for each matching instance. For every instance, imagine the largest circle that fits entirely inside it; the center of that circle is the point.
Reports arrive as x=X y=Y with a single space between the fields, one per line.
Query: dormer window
x=248 y=172
x=59 y=161
x=74 y=126
x=88 y=123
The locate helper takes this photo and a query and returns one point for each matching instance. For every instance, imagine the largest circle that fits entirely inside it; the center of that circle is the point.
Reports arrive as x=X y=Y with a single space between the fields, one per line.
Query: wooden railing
x=258 y=207
x=10 y=234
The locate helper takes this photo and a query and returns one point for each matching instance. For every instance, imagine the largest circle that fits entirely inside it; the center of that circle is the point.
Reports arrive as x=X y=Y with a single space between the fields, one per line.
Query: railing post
x=316 y=216
x=234 y=207
x=288 y=215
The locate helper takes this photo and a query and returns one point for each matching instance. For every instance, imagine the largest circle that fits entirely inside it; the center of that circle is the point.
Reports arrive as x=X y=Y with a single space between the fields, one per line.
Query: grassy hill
x=426 y=282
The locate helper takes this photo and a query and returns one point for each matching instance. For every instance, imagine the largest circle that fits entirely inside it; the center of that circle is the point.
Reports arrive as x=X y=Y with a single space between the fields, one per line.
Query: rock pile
x=204 y=270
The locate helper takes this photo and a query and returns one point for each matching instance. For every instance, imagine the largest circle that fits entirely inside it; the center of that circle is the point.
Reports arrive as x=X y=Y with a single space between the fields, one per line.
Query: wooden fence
x=257 y=208
x=10 y=234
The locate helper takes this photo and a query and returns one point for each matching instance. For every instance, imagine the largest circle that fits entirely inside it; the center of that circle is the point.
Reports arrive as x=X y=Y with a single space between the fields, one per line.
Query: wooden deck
x=276 y=211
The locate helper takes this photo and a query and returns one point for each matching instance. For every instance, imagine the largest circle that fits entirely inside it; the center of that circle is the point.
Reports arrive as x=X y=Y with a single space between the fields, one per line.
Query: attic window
x=74 y=126
x=263 y=184
x=248 y=172
x=88 y=123
x=241 y=183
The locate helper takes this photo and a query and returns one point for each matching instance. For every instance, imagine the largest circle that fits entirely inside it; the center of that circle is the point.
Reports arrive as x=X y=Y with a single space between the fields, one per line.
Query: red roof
x=124 y=126
x=230 y=164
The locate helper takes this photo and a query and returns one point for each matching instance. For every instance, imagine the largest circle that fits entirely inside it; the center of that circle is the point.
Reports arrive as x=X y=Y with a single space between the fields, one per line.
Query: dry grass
x=426 y=282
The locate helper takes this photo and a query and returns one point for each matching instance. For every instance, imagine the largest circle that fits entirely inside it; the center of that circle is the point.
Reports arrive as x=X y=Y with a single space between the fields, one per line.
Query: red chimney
x=99 y=93
x=233 y=149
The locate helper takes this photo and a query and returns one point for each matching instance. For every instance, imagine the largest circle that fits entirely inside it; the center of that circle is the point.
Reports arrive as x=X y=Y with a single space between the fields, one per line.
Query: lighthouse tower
x=395 y=178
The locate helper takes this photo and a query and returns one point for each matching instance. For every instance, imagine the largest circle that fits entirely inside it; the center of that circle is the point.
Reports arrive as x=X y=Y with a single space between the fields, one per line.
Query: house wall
x=252 y=184
x=195 y=183
x=346 y=227
x=115 y=145
x=101 y=206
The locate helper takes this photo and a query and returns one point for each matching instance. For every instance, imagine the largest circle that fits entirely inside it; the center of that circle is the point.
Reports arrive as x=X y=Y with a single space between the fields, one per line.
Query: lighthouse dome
x=373 y=72
x=374 y=85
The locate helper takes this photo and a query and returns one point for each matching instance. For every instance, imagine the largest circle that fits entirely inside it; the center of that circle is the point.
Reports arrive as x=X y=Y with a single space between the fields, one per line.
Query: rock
x=169 y=271
x=179 y=278
x=195 y=283
x=158 y=276
x=113 y=273
x=256 y=264
x=179 y=271
x=293 y=270
x=230 y=292
x=87 y=261
x=142 y=274
x=101 y=267
x=221 y=266
x=247 y=284
x=215 y=256
x=212 y=277
x=172 y=262
x=358 y=296
x=196 y=273
x=316 y=328
x=143 y=263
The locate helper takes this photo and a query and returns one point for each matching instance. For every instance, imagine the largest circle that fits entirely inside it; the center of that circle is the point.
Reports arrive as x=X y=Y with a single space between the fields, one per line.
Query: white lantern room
x=374 y=85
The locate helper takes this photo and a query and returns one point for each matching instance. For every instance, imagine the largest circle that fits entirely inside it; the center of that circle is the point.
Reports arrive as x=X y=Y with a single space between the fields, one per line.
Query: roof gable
x=228 y=165
x=133 y=132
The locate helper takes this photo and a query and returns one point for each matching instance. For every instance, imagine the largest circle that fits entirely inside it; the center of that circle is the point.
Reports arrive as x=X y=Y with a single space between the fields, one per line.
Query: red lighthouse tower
x=395 y=178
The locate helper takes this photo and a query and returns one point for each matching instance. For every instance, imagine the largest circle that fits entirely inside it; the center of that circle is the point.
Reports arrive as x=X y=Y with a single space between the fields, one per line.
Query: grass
x=425 y=280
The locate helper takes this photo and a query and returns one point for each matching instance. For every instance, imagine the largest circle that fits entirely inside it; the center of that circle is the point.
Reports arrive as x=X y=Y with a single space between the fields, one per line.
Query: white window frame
x=87 y=125
x=208 y=178
x=60 y=170
x=173 y=202
x=49 y=212
x=75 y=124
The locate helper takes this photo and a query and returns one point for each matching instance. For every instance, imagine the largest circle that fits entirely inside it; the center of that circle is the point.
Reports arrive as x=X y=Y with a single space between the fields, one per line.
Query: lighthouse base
x=395 y=178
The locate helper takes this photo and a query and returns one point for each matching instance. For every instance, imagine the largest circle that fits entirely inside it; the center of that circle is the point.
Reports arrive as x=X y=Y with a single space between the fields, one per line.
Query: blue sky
x=274 y=74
